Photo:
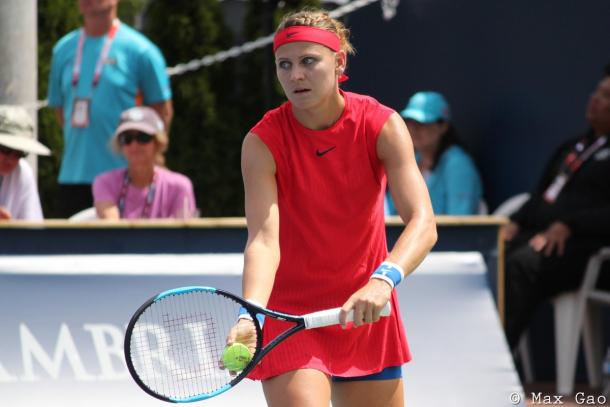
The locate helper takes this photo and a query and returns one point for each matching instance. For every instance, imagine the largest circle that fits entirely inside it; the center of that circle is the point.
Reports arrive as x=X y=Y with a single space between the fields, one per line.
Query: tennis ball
x=236 y=357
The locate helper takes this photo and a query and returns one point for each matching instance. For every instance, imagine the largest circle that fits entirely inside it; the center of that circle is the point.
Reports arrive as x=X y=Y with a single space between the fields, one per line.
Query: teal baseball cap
x=427 y=107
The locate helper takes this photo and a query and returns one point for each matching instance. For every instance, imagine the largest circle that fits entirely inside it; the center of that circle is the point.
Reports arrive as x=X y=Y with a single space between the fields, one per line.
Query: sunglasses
x=142 y=138
x=10 y=152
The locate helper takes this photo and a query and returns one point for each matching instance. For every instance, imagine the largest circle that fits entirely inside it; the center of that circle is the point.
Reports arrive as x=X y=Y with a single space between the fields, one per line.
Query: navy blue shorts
x=389 y=373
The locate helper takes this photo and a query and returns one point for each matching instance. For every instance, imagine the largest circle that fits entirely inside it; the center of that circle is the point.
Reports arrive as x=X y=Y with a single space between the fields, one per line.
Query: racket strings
x=177 y=344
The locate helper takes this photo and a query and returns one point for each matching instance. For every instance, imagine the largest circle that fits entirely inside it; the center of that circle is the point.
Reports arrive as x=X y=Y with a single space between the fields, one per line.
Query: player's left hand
x=367 y=303
x=243 y=332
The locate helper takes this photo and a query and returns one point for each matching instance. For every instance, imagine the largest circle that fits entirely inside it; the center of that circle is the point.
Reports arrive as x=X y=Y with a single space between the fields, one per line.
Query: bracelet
x=389 y=272
x=244 y=314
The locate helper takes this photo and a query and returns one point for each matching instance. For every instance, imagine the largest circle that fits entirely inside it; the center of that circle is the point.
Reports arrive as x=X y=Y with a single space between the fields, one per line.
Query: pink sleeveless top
x=332 y=237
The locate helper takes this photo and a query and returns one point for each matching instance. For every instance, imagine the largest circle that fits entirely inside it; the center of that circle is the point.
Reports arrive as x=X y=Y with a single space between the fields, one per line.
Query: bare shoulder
x=255 y=155
x=394 y=138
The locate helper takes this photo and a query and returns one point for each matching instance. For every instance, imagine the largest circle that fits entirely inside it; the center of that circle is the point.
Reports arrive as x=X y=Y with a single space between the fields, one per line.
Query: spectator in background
x=450 y=173
x=566 y=220
x=145 y=189
x=18 y=191
x=97 y=72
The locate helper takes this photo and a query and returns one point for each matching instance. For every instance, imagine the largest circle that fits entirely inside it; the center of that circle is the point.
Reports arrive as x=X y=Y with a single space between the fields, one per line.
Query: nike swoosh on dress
x=321 y=153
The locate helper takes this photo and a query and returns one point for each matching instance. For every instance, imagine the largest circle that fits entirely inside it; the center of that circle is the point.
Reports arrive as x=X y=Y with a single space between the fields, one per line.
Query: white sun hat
x=17 y=131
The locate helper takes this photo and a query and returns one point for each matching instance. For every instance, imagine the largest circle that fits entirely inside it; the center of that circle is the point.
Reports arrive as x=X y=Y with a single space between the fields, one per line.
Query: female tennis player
x=315 y=173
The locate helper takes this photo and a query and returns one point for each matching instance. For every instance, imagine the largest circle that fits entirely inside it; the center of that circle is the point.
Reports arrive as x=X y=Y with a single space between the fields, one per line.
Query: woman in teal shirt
x=450 y=173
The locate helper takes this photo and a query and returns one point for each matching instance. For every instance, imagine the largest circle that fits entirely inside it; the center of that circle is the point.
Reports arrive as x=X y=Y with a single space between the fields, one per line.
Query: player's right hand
x=366 y=303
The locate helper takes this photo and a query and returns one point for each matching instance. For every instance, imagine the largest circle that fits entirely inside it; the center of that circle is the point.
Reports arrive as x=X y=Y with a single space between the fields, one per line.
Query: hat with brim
x=17 y=131
x=140 y=118
x=23 y=143
x=427 y=107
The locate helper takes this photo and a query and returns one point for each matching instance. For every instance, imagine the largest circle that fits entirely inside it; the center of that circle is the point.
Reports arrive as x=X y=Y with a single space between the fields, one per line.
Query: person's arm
x=59 y=114
x=107 y=210
x=55 y=95
x=557 y=233
x=29 y=208
x=183 y=204
x=522 y=215
x=262 y=252
x=410 y=195
x=463 y=186
x=412 y=201
x=27 y=198
x=589 y=222
x=103 y=190
x=165 y=110
x=155 y=84
x=592 y=223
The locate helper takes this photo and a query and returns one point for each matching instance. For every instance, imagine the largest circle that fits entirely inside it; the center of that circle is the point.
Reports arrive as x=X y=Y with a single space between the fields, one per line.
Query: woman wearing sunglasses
x=145 y=189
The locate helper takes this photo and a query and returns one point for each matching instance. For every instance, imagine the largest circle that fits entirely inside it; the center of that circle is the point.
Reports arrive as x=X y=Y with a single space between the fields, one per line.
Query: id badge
x=552 y=192
x=80 y=112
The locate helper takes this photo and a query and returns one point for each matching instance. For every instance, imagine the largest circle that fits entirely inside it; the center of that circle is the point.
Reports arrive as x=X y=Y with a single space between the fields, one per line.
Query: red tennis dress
x=332 y=237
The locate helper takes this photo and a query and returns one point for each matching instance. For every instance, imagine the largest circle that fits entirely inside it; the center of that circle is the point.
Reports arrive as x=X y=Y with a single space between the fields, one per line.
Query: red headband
x=306 y=33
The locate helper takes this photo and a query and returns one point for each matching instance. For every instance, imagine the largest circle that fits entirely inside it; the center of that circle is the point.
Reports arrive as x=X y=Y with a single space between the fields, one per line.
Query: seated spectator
x=450 y=173
x=18 y=190
x=145 y=189
x=565 y=221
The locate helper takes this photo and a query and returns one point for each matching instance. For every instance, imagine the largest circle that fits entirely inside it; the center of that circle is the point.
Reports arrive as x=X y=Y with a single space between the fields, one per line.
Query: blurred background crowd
x=516 y=78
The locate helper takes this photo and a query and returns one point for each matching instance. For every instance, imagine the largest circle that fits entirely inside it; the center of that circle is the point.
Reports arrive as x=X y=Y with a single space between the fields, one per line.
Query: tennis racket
x=174 y=342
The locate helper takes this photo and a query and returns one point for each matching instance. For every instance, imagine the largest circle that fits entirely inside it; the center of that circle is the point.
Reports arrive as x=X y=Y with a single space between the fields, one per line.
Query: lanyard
x=150 y=197
x=100 y=61
x=570 y=165
x=579 y=155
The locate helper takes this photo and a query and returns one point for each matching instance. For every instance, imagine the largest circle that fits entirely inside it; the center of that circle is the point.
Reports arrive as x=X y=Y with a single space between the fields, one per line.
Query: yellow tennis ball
x=236 y=357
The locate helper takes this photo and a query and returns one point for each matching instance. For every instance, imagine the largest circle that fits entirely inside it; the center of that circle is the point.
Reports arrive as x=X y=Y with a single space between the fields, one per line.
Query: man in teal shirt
x=97 y=72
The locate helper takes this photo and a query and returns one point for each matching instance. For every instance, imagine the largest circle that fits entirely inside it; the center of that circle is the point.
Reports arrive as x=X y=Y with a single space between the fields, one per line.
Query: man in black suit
x=566 y=220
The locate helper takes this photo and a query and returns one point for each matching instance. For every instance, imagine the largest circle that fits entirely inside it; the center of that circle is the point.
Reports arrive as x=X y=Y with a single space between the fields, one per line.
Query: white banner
x=63 y=319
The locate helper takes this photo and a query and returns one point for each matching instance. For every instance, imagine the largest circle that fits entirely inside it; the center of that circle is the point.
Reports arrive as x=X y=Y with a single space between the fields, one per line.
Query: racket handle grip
x=331 y=317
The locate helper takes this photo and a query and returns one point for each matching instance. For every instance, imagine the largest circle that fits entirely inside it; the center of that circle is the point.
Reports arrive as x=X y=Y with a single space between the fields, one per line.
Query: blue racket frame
x=256 y=358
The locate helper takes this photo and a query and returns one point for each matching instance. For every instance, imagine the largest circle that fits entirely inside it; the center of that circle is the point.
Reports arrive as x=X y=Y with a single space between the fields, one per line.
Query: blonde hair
x=319 y=19
x=161 y=140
